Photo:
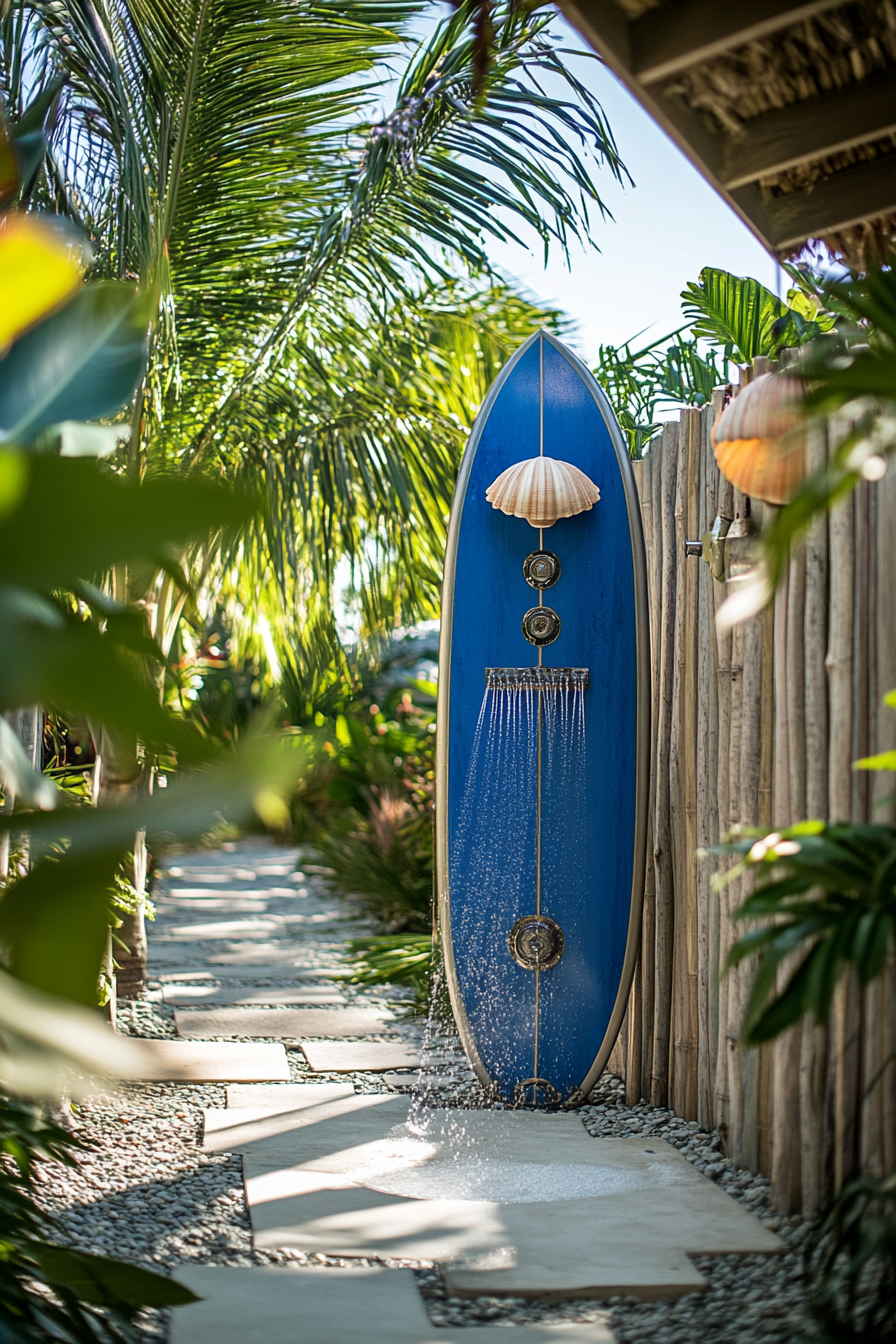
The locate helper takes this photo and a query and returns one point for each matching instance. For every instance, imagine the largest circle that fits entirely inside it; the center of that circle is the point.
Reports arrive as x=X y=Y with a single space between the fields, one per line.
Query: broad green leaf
x=39 y=270
x=117 y=521
x=54 y=923
x=109 y=1283
x=9 y=169
x=13 y=479
x=49 y=657
x=828 y=905
x=43 y=1039
x=192 y=804
x=82 y=363
x=741 y=315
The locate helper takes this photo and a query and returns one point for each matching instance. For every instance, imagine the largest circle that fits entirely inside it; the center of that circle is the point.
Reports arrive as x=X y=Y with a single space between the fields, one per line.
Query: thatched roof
x=789 y=110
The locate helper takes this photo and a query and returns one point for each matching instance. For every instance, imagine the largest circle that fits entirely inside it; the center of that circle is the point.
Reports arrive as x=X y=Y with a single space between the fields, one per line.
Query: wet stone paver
x=147 y=1192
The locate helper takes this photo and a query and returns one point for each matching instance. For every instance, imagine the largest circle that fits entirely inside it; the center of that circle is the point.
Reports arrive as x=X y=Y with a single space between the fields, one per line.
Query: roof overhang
x=653 y=50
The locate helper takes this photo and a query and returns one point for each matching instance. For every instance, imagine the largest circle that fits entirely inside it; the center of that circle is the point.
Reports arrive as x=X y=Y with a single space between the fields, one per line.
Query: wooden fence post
x=665 y=891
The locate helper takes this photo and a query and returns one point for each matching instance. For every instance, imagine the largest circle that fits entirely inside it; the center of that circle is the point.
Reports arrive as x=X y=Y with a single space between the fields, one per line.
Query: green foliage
x=384 y=858
x=851 y=1265
x=73 y=649
x=367 y=808
x=313 y=282
x=639 y=382
x=745 y=319
x=82 y=363
x=825 y=897
x=394 y=959
x=50 y=1292
x=58 y=913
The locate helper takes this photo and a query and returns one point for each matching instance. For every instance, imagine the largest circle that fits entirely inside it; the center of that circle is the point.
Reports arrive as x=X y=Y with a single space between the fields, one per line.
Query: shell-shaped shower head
x=541 y=490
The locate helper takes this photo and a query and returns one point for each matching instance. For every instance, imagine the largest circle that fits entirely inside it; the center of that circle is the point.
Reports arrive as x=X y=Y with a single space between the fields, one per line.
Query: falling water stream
x=523 y=810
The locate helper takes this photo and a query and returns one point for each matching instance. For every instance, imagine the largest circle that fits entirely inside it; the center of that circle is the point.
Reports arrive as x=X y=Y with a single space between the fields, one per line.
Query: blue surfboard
x=541 y=787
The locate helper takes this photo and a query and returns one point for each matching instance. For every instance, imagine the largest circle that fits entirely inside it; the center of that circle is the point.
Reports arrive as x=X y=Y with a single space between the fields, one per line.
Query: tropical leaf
x=394 y=959
x=850 y=1262
x=639 y=382
x=107 y=1283
x=743 y=317
x=824 y=901
x=80 y=364
x=53 y=921
x=50 y=1292
x=118 y=521
x=49 y=1046
x=39 y=269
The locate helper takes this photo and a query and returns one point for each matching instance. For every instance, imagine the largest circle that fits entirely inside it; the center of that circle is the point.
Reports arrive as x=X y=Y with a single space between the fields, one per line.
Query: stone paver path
x=235 y=926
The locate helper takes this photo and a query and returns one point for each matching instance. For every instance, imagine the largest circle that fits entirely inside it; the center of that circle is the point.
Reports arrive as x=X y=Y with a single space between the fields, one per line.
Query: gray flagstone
x=293 y=1305
x=359 y=1056
x=214 y=1062
x=291 y=1023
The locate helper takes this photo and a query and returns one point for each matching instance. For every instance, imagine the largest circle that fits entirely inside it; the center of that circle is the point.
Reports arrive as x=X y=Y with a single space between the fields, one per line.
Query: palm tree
x=324 y=311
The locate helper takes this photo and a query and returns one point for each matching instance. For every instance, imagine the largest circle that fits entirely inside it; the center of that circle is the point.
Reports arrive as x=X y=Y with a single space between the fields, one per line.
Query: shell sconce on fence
x=760 y=439
x=541 y=490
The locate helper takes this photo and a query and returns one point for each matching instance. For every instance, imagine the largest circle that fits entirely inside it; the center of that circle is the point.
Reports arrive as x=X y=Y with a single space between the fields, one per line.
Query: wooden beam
x=779 y=225
x=604 y=27
x=836 y=203
x=668 y=39
x=809 y=130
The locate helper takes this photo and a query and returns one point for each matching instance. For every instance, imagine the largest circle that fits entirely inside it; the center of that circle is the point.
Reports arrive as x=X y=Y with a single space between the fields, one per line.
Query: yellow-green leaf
x=39 y=269
x=885 y=761
x=13 y=479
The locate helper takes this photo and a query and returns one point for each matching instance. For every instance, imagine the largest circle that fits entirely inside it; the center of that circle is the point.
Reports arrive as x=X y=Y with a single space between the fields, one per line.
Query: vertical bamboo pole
x=631 y=1065
x=686 y=902
x=784 y=1136
x=664 y=928
x=744 y=1121
x=839 y=661
x=860 y=808
x=840 y=667
x=648 y=960
x=790 y=798
x=882 y=785
x=881 y=995
x=678 y=1059
x=871 y=1144
x=814 y=1127
x=731 y=894
x=886 y=811
x=765 y=817
x=707 y=784
x=720 y=927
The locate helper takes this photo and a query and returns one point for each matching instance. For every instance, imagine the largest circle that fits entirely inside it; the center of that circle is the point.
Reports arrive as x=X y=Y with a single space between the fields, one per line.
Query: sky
x=667 y=227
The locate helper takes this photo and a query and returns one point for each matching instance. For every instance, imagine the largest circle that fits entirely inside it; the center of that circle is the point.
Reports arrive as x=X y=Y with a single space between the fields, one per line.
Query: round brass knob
x=541 y=625
x=535 y=942
x=541 y=569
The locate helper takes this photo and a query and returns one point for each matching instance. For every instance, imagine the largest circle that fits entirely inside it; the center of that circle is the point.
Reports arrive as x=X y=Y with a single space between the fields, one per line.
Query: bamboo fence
x=760 y=726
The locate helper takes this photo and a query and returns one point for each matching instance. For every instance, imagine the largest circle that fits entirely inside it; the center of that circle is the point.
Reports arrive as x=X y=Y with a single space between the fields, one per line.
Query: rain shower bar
x=556 y=678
